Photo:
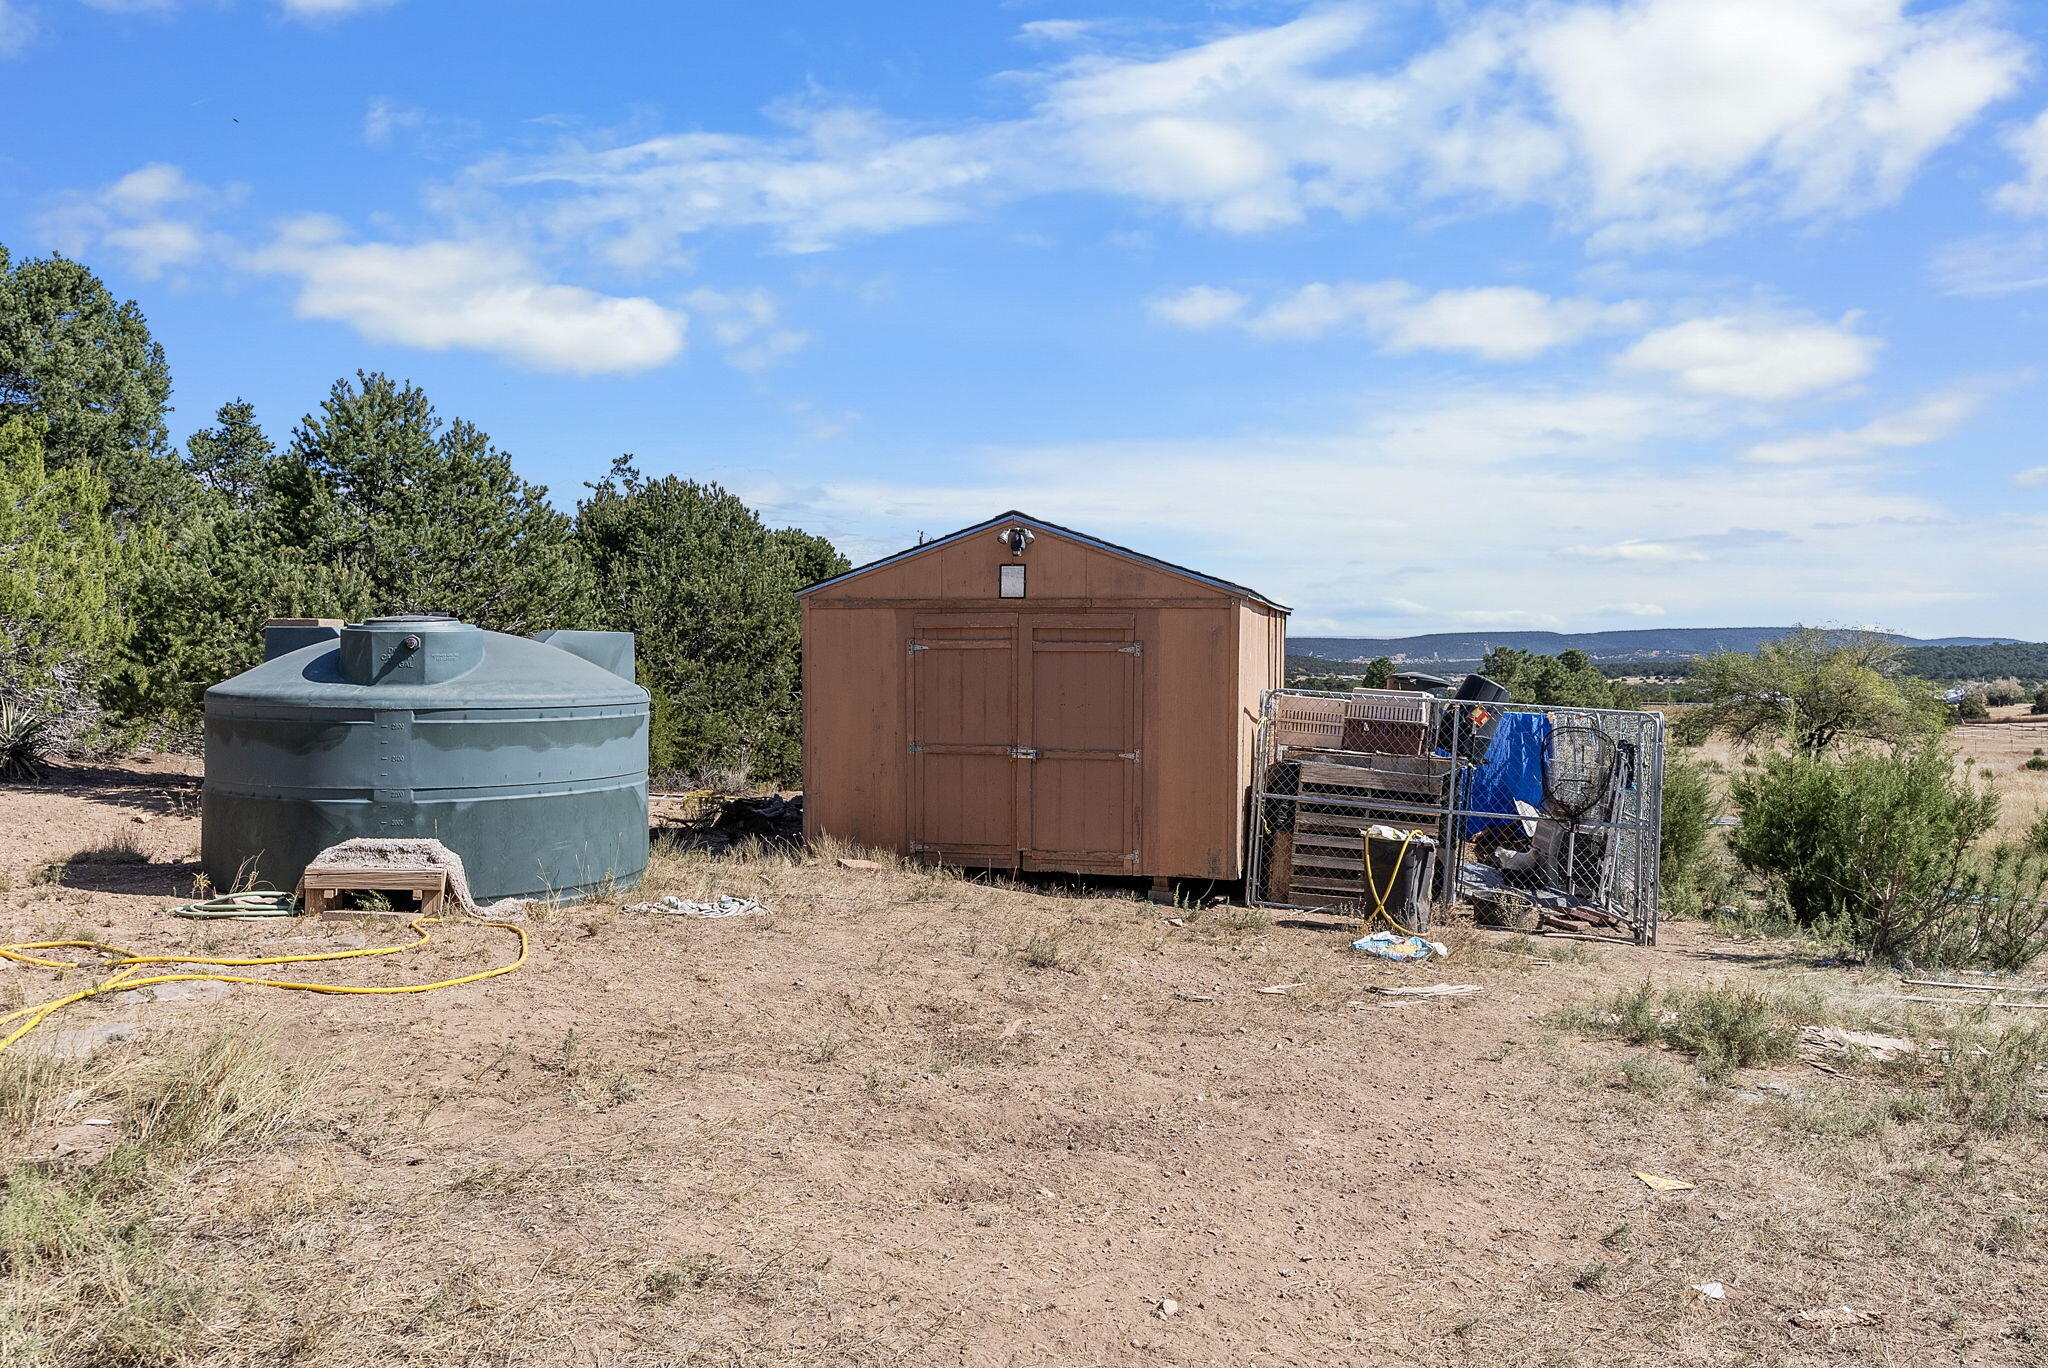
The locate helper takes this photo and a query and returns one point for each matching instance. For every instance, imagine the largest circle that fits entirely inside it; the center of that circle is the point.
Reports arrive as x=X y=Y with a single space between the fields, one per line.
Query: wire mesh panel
x=1391 y=806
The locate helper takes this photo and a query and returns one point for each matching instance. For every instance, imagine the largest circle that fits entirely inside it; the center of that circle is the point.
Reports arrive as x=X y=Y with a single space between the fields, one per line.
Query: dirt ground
x=909 y=1118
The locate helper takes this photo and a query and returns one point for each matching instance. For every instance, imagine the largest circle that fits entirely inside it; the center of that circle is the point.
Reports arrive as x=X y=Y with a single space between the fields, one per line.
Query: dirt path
x=912 y=1119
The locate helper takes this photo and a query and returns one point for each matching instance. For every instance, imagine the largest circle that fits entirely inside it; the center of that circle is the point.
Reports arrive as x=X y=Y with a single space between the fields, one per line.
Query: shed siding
x=964 y=572
x=855 y=758
x=1188 y=829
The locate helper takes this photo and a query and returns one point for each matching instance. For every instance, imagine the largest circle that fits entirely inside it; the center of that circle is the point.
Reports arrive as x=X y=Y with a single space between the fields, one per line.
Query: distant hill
x=1646 y=644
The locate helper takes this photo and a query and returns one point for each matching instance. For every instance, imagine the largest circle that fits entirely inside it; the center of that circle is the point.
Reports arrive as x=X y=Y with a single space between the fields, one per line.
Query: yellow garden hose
x=127 y=965
x=1379 y=895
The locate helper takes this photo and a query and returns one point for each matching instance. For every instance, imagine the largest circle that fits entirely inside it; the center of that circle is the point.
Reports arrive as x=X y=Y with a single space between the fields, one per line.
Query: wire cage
x=1392 y=806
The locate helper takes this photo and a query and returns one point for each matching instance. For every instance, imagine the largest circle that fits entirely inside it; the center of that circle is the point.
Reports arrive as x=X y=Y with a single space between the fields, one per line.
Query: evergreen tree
x=85 y=365
x=232 y=563
x=411 y=514
x=233 y=458
x=1567 y=680
x=62 y=573
x=709 y=591
x=1379 y=673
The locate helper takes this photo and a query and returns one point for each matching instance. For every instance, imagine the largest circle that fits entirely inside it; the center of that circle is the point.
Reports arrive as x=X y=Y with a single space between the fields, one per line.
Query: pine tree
x=62 y=573
x=232 y=563
x=233 y=458
x=710 y=593
x=84 y=364
x=415 y=515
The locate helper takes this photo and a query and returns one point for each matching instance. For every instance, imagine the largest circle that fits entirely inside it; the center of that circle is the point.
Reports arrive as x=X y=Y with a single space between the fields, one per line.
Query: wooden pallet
x=425 y=885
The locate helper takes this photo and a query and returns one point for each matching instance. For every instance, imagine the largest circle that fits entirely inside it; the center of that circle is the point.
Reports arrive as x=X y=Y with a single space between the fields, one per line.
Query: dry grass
x=914 y=1118
x=92 y=1282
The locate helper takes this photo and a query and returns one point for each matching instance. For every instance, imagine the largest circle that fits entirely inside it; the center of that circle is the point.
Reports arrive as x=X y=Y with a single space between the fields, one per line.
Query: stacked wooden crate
x=1356 y=752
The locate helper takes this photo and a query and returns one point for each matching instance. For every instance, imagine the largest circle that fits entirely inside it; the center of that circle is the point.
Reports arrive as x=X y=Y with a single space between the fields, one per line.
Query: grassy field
x=910 y=1118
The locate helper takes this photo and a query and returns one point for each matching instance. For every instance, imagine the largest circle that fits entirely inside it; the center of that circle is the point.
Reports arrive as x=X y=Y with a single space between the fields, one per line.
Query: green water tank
x=526 y=757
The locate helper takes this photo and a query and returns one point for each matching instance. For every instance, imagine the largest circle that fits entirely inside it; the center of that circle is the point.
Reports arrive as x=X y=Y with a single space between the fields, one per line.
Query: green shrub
x=2040 y=703
x=1723 y=1027
x=1971 y=707
x=1878 y=848
x=1689 y=806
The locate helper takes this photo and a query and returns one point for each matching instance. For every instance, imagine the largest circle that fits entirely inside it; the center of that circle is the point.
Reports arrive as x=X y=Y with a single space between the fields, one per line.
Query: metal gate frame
x=1616 y=869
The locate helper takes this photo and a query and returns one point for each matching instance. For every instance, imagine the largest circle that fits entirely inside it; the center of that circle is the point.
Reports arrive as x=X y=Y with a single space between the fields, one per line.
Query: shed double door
x=1025 y=740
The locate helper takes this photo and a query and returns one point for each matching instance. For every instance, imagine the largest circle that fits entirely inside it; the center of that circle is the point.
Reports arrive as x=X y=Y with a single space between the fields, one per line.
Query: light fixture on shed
x=1016 y=538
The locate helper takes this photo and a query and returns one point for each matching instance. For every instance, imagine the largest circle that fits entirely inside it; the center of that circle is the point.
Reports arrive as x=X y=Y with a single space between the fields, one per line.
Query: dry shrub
x=1724 y=1027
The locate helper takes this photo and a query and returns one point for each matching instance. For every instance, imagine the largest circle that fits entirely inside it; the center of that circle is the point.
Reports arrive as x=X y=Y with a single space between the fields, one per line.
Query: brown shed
x=1021 y=696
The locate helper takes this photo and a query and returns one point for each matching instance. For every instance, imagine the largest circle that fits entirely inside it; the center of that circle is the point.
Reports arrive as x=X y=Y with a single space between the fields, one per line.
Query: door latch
x=1024 y=752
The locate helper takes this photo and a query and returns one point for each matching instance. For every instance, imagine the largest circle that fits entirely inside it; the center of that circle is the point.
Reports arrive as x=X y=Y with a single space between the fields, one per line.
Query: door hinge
x=1135 y=648
x=1128 y=755
x=1024 y=752
x=1131 y=858
x=919 y=646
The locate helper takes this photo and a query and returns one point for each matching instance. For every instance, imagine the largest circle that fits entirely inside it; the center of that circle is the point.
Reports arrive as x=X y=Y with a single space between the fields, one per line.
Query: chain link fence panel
x=1392 y=806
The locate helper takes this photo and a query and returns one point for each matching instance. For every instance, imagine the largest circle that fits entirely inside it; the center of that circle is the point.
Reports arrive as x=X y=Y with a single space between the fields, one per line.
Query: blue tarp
x=1513 y=769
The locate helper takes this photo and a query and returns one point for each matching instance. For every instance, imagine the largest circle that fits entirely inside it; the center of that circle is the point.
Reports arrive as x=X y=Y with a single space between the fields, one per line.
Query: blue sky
x=1418 y=317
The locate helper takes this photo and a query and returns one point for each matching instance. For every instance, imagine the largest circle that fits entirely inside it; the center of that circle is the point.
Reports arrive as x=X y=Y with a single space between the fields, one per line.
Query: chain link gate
x=1392 y=806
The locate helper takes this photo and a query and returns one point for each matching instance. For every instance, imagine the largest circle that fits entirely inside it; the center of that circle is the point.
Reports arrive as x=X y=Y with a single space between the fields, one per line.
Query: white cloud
x=1640 y=122
x=748 y=325
x=17 y=28
x=1632 y=510
x=2031 y=477
x=1758 y=356
x=1930 y=420
x=1059 y=30
x=154 y=218
x=1638 y=550
x=1197 y=307
x=316 y=10
x=2029 y=146
x=386 y=117
x=1991 y=265
x=438 y=295
x=298 y=9
x=1495 y=322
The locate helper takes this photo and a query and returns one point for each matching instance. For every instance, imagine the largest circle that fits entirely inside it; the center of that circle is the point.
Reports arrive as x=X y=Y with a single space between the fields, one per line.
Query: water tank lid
x=498 y=671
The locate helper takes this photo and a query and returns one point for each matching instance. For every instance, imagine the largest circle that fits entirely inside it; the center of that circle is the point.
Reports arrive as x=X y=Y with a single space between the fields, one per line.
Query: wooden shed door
x=963 y=739
x=1079 y=786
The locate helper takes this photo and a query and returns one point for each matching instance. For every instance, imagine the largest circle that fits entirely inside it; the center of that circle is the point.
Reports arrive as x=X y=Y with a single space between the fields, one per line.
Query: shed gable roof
x=1039 y=524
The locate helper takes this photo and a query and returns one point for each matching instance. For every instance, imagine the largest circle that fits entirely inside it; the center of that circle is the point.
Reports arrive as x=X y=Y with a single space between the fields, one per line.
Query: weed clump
x=1724 y=1027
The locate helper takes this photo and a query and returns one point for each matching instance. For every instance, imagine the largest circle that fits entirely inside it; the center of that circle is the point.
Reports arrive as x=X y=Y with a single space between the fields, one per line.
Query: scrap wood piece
x=1660 y=1183
x=1975 y=987
x=1993 y=1001
x=1279 y=988
x=1839 y=1040
x=1834 y=1317
x=1432 y=990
